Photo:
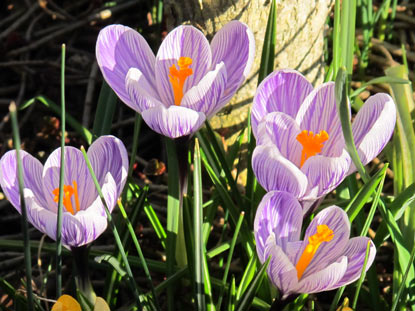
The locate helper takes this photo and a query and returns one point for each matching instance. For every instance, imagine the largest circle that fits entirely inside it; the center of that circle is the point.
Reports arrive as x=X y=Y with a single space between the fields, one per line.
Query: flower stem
x=82 y=280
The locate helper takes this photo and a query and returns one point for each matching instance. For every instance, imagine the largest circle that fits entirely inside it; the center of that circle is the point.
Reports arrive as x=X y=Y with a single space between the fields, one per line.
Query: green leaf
x=364 y=194
x=107 y=102
x=248 y=296
x=112 y=261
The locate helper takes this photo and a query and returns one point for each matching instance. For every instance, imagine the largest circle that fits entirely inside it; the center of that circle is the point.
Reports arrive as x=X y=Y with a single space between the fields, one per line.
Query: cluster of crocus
x=186 y=83
x=301 y=156
x=84 y=217
x=300 y=145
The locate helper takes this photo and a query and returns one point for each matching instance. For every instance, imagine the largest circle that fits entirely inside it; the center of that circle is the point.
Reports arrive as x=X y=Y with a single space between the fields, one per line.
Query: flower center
x=312 y=143
x=68 y=191
x=178 y=77
x=324 y=234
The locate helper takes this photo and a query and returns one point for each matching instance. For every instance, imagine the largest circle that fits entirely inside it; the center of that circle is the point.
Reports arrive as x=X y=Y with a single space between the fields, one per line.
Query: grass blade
x=173 y=215
x=253 y=287
x=26 y=241
x=61 y=185
x=107 y=102
x=197 y=227
x=362 y=277
x=131 y=279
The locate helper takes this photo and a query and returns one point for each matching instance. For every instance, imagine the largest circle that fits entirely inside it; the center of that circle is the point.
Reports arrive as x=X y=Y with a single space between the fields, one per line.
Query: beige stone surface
x=300 y=30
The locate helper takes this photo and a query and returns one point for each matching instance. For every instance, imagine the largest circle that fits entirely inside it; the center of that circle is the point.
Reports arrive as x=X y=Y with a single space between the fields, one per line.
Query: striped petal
x=325 y=173
x=141 y=95
x=120 y=48
x=233 y=44
x=373 y=126
x=280 y=214
x=274 y=172
x=204 y=96
x=32 y=177
x=75 y=170
x=280 y=270
x=324 y=279
x=173 y=122
x=107 y=154
x=355 y=251
x=183 y=41
x=318 y=113
x=328 y=252
x=282 y=91
x=282 y=131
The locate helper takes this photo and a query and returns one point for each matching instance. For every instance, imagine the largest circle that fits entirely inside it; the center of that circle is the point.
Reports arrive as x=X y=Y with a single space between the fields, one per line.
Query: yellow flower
x=66 y=303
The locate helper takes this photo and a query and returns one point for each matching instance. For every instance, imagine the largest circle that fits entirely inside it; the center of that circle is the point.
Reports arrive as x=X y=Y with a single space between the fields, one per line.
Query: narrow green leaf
x=25 y=232
x=156 y=224
x=113 y=262
x=268 y=49
x=107 y=102
x=197 y=227
x=364 y=194
x=131 y=279
x=61 y=182
x=378 y=80
x=344 y=114
x=247 y=277
x=362 y=277
x=173 y=215
x=229 y=260
x=247 y=298
x=232 y=295
x=404 y=278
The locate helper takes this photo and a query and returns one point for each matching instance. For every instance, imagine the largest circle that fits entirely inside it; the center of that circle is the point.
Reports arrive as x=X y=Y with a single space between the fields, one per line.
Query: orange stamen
x=312 y=143
x=178 y=77
x=324 y=234
x=68 y=191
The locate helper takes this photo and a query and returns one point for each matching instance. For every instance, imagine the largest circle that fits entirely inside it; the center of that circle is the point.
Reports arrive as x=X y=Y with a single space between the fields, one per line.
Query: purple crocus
x=187 y=82
x=300 y=144
x=83 y=217
x=324 y=260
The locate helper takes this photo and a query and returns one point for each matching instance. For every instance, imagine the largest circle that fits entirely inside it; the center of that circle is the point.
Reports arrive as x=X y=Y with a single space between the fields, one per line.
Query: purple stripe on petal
x=278 y=213
x=336 y=219
x=280 y=270
x=107 y=154
x=32 y=176
x=233 y=44
x=41 y=218
x=373 y=126
x=204 y=96
x=282 y=91
x=141 y=95
x=283 y=132
x=355 y=251
x=274 y=172
x=176 y=121
x=325 y=173
x=324 y=279
x=120 y=48
x=318 y=113
x=75 y=170
x=183 y=41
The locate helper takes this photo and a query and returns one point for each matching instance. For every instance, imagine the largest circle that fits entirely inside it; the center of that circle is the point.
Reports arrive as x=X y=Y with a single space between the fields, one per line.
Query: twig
x=89 y=94
x=20 y=21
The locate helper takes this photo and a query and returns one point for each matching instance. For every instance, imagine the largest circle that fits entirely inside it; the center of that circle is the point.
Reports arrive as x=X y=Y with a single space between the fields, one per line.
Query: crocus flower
x=83 y=217
x=300 y=144
x=187 y=82
x=325 y=259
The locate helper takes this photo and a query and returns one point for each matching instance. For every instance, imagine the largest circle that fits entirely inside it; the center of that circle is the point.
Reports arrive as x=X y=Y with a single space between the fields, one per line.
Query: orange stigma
x=312 y=143
x=324 y=234
x=68 y=191
x=178 y=77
